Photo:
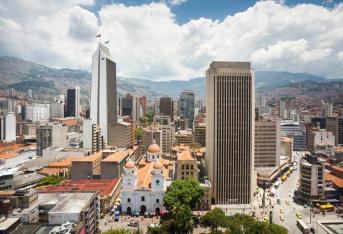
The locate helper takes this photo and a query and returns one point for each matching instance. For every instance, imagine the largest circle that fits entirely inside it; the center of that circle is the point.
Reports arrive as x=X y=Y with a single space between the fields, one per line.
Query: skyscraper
x=104 y=91
x=73 y=102
x=230 y=97
x=187 y=107
x=166 y=106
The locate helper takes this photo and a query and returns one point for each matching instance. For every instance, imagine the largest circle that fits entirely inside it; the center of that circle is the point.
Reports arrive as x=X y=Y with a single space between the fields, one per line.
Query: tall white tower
x=104 y=91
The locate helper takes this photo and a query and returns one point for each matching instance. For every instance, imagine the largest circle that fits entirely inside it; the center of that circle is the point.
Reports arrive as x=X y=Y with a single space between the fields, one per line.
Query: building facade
x=73 y=102
x=166 y=107
x=230 y=92
x=103 y=107
x=335 y=125
x=267 y=143
x=187 y=107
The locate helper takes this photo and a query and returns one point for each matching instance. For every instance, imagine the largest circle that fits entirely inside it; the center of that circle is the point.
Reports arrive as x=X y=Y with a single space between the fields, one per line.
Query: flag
x=99 y=35
x=106 y=42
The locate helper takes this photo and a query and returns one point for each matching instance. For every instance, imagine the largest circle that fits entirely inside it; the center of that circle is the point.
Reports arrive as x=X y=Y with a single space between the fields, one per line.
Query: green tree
x=274 y=228
x=183 y=192
x=138 y=133
x=51 y=180
x=214 y=219
x=184 y=219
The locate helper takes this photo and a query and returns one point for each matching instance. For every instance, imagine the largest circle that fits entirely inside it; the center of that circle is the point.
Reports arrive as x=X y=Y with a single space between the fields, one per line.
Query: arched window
x=183 y=167
x=187 y=167
x=129 y=200
x=142 y=198
x=157 y=182
x=157 y=200
x=128 y=182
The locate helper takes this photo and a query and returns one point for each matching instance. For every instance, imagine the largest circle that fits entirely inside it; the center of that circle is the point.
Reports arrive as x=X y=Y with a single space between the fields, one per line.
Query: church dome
x=157 y=165
x=154 y=148
x=129 y=164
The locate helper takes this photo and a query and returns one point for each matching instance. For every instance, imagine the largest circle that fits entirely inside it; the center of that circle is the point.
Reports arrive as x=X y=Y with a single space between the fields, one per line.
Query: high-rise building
x=267 y=143
x=335 y=125
x=282 y=109
x=73 y=102
x=131 y=107
x=29 y=94
x=36 y=112
x=187 y=107
x=104 y=91
x=8 y=127
x=327 y=109
x=92 y=137
x=166 y=107
x=52 y=134
x=199 y=130
x=57 y=107
x=230 y=93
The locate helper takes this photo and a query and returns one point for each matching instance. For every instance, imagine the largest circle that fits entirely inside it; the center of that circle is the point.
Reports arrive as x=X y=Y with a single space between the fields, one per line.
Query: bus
x=327 y=207
x=283 y=178
x=303 y=226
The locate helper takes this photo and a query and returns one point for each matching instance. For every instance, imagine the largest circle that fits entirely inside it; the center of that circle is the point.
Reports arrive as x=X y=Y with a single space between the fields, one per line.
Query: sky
x=177 y=39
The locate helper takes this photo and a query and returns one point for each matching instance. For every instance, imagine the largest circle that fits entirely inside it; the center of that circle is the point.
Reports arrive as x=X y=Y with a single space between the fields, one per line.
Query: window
x=157 y=200
x=183 y=167
x=187 y=167
x=142 y=198
x=157 y=182
x=192 y=167
x=129 y=200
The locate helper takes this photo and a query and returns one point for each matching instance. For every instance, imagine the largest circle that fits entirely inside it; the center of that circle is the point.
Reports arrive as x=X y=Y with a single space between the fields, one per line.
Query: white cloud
x=177 y=2
x=146 y=40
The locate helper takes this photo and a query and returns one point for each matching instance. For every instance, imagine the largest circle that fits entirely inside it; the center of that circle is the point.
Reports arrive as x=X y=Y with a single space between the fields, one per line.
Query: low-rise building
x=74 y=207
x=87 y=167
x=112 y=166
x=121 y=135
x=186 y=166
x=184 y=137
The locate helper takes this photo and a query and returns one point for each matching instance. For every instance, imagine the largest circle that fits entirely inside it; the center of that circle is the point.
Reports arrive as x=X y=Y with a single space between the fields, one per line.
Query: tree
x=274 y=228
x=51 y=180
x=138 y=133
x=214 y=219
x=183 y=192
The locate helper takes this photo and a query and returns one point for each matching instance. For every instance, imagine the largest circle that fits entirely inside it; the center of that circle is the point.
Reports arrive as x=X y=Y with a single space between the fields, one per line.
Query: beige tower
x=230 y=93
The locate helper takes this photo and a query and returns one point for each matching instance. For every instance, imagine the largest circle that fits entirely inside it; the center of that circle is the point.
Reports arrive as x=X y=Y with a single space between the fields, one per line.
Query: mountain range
x=23 y=75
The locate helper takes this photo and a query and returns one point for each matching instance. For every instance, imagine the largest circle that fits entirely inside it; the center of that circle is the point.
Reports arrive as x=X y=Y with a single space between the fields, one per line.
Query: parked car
x=146 y=214
x=133 y=223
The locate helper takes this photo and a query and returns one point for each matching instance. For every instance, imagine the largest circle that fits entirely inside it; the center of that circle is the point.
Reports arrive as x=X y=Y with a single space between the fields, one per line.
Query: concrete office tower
x=166 y=107
x=199 y=130
x=52 y=134
x=282 y=109
x=57 y=107
x=92 y=137
x=104 y=91
x=187 y=107
x=29 y=94
x=327 y=109
x=335 y=125
x=8 y=127
x=136 y=109
x=267 y=143
x=230 y=97
x=73 y=102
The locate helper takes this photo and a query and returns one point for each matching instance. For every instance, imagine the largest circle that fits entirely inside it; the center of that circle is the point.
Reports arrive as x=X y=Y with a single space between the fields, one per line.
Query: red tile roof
x=103 y=186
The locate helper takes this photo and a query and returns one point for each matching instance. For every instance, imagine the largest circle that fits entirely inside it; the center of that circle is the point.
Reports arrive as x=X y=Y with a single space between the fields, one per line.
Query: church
x=144 y=184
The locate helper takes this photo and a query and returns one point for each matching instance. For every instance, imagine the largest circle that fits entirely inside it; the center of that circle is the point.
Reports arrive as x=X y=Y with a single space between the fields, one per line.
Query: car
x=282 y=218
x=299 y=216
x=146 y=214
x=305 y=206
x=133 y=223
x=137 y=214
x=153 y=225
x=281 y=210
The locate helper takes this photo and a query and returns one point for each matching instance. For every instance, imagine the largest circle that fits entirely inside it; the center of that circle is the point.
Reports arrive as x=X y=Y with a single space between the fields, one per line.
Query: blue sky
x=214 y=9
x=177 y=39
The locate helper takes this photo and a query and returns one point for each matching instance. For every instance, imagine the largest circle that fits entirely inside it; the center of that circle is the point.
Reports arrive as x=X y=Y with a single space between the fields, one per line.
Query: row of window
x=143 y=199
x=187 y=167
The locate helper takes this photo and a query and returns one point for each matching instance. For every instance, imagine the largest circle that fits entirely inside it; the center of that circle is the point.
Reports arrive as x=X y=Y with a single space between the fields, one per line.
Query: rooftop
x=186 y=156
x=335 y=179
x=4 y=225
x=90 y=158
x=117 y=156
x=65 y=162
x=103 y=186
x=66 y=202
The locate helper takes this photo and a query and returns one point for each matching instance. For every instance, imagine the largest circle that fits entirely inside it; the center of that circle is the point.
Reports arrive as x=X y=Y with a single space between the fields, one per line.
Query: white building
x=8 y=127
x=104 y=91
x=37 y=112
x=144 y=185
x=57 y=107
